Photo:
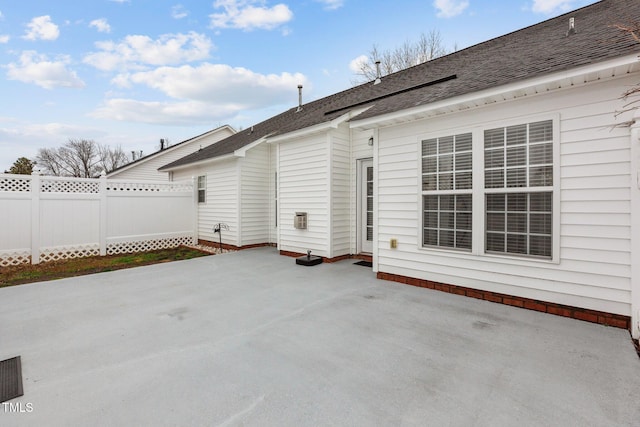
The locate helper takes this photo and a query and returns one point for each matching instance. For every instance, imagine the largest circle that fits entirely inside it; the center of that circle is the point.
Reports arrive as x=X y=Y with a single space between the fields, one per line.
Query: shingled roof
x=541 y=49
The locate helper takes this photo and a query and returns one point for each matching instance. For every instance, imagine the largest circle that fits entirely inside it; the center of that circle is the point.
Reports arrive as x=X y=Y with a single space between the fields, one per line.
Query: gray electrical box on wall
x=300 y=221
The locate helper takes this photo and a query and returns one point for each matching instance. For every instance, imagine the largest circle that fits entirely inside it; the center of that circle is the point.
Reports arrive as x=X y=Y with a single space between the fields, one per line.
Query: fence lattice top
x=50 y=184
x=15 y=183
x=69 y=185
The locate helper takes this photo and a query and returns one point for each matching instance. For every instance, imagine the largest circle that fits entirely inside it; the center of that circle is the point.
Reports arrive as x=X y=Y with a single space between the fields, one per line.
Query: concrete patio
x=249 y=338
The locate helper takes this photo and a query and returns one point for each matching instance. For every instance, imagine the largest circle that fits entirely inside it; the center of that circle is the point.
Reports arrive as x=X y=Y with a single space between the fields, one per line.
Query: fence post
x=103 y=214
x=35 y=217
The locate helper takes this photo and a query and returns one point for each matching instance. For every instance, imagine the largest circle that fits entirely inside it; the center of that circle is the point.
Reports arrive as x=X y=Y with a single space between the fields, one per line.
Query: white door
x=365 y=207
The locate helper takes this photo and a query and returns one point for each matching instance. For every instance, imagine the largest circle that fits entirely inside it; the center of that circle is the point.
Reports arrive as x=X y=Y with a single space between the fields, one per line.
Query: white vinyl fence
x=44 y=218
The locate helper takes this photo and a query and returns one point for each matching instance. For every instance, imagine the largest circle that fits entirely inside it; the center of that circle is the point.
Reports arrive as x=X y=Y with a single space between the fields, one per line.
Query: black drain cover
x=364 y=263
x=10 y=379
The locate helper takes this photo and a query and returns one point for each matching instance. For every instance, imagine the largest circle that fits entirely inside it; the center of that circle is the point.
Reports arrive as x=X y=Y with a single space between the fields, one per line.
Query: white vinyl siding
x=592 y=259
x=255 y=184
x=222 y=200
x=340 y=192
x=303 y=187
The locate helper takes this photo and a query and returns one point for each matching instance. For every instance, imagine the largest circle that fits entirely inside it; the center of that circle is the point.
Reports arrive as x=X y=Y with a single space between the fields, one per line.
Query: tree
x=82 y=158
x=633 y=30
x=22 y=166
x=429 y=46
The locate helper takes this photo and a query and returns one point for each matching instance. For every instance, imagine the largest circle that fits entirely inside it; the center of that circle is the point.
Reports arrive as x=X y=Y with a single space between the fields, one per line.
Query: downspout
x=635 y=226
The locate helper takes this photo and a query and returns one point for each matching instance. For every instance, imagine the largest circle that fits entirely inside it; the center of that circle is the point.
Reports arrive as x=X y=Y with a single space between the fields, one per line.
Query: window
x=202 y=188
x=447 y=191
x=518 y=163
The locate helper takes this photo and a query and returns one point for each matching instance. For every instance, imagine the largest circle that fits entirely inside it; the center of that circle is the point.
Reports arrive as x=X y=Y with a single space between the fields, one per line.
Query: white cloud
x=101 y=25
x=553 y=6
x=200 y=95
x=356 y=64
x=178 y=12
x=450 y=8
x=164 y=113
x=331 y=4
x=41 y=28
x=137 y=51
x=219 y=84
x=4 y=38
x=249 y=15
x=39 y=70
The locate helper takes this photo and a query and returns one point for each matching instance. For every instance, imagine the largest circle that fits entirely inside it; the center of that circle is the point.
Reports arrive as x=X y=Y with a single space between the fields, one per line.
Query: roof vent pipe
x=299 y=98
x=572 y=26
x=161 y=144
x=378 y=79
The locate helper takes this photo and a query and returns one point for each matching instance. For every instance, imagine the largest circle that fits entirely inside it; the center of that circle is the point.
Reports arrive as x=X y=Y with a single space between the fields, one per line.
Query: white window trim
x=478 y=193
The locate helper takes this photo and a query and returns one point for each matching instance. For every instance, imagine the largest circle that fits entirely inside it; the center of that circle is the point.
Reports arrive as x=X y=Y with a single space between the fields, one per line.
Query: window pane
x=540 y=246
x=429 y=182
x=494 y=179
x=463 y=161
x=463 y=181
x=541 y=202
x=517 y=135
x=517 y=202
x=429 y=164
x=445 y=181
x=445 y=145
x=541 y=154
x=447 y=203
x=463 y=240
x=446 y=238
x=494 y=158
x=463 y=221
x=517 y=156
x=517 y=223
x=495 y=202
x=445 y=163
x=430 y=203
x=463 y=142
x=540 y=223
x=517 y=177
x=430 y=147
x=495 y=242
x=463 y=203
x=430 y=237
x=517 y=243
x=431 y=220
x=541 y=176
x=495 y=222
x=446 y=220
x=541 y=131
x=494 y=138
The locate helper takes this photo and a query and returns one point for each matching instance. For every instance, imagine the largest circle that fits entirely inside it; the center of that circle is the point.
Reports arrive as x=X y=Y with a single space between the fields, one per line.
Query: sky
x=126 y=73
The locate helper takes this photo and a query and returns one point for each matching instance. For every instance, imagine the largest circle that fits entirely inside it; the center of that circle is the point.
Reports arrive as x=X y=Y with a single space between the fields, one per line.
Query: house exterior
x=506 y=171
x=146 y=168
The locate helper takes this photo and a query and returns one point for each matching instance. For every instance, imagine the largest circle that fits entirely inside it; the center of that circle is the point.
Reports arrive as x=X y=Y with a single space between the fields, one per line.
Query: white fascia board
x=319 y=128
x=497 y=91
x=200 y=163
x=242 y=152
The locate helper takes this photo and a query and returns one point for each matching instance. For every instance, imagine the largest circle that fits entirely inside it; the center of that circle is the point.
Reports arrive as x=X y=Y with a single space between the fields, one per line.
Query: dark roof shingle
x=534 y=51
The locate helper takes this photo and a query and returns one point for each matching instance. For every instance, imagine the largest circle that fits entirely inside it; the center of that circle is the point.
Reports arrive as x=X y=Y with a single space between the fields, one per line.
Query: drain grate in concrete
x=10 y=379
